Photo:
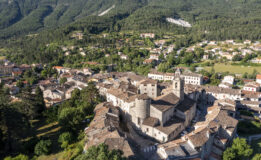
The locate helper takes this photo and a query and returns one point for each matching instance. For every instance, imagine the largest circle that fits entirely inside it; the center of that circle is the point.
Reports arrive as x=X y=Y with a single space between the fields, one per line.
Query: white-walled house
x=229 y=79
x=256 y=60
x=154 y=74
x=252 y=86
x=258 y=78
x=193 y=78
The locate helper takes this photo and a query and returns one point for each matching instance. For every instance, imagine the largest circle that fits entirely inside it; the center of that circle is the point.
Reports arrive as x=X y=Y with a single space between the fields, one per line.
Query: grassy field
x=234 y=68
x=57 y=156
x=2 y=57
x=51 y=131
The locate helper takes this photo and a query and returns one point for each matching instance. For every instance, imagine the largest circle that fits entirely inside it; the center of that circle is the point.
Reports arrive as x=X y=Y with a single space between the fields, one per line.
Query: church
x=166 y=116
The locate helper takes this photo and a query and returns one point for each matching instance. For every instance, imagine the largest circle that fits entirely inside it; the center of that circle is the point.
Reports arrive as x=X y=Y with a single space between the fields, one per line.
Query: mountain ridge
x=29 y=16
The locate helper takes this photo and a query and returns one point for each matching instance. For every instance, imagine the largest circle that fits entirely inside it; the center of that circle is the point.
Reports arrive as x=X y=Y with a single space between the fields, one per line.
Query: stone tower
x=178 y=87
x=178 y=72
x=142 y=108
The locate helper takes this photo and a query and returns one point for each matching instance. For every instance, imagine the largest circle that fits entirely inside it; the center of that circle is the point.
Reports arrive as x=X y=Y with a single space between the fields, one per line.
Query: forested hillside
x=238 y=18
x=25 y=16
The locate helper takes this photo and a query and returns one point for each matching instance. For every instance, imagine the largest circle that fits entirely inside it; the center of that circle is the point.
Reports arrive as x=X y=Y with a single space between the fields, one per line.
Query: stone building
x=214 y=93
x=154 y=74
x=252 y=86
x=160 y=117
x=208 y=141
x=105 y=128
x=258 y=78
x=189 y=77
x=165 y=116
x=149 y=87
x=193 y=78
x=6 y=70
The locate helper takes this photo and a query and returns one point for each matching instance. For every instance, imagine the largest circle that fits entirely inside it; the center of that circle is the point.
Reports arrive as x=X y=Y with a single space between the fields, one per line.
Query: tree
x=237 y=57
x=161 y=57
x=19 y=84
x=239 y=150
x=214 y=79
x=101 y=152
x=188 y=59
x=63 y=80
x=19 y=157
x=51 y=114
x=65 y=139
x=32 y=105
x=199 y=53
x=257 y=157
x=12 y=129
x=72 y=113
x=43 y=147
x=245 y=75
x=39 y=99
x=71 y=119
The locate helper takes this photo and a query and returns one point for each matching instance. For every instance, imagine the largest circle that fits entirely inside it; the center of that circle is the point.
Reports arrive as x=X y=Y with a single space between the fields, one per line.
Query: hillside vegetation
x=216 y=18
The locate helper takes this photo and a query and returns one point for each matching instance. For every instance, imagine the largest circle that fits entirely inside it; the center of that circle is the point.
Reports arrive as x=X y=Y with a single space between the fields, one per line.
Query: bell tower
x=178 y=88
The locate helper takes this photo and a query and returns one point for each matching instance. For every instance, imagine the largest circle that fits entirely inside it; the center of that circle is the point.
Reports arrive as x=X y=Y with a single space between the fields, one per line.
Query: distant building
x=124 y=57
x=77 y=35
x=149 y=61
x=256 y=60
x=147 y=35
x=247 y=42
x=6 y=70
x=154 y=74
x=227 y=82
x=229 y=79
x=61 y=69
x=154 y=56
x=205 y=56
x=192 y=78
x=225 y=85
x=230 y=41
x=258 y=78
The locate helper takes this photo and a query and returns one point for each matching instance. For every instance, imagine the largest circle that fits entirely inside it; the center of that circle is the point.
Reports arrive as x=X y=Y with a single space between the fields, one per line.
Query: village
x=130 y=80
x=165 y=110
x=159 y=51
x=160 y=116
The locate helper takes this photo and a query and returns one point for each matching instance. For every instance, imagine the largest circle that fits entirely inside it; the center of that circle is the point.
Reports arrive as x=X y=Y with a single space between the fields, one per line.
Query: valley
x=130 y=79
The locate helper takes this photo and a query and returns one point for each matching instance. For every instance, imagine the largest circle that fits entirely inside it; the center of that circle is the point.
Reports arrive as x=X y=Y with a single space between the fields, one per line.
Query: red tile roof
x=258 y=76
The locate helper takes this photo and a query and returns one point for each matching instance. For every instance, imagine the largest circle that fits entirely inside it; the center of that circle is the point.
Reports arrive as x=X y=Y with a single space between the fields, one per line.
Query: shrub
x=19 y=157
x=65 y=139
x=249 y=127
x=42 y=147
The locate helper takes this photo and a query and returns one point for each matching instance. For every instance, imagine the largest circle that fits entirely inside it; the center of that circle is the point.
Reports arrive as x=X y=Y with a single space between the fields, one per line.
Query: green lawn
x=220 y=67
